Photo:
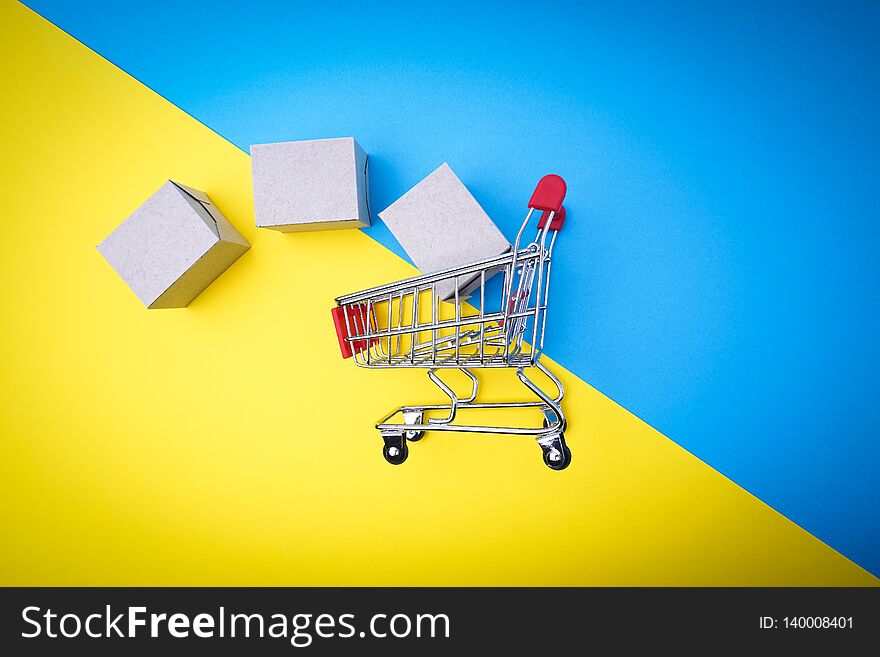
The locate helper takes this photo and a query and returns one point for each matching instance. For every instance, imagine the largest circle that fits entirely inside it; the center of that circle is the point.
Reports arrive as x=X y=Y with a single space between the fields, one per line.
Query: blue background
x=717 y=274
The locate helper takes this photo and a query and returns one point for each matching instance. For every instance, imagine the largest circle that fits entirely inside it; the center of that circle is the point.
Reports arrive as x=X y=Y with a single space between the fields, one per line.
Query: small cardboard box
x=173 y=246
x=440 y=225
x=320 y=184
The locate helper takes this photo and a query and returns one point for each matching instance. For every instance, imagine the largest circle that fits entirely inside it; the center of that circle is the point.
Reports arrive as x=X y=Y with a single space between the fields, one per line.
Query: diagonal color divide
x=721 y=241
x=229 y=444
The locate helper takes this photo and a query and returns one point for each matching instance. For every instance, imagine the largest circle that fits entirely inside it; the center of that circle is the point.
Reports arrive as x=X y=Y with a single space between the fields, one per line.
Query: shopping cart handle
x=558 y=219
x=549 y=194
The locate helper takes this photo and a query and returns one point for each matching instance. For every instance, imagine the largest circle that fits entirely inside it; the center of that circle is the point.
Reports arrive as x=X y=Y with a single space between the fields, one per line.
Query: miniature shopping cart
x=404 y=324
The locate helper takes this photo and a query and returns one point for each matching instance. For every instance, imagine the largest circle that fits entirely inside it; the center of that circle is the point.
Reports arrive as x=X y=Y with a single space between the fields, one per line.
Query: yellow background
x=228 y=443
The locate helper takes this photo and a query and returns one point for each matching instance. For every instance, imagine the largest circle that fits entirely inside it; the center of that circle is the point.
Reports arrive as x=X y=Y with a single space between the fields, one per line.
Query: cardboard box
x=440 y=225
x=173 y=246
x=320 y=184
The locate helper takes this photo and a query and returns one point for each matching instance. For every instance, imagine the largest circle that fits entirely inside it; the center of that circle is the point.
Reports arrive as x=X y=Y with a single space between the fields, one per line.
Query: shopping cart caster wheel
x=556 y=460
x=414 y=436
x=395 y=454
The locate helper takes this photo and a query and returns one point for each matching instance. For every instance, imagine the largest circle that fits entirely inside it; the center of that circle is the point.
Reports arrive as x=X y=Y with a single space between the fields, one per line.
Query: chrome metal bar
x=516 y=243
x=415 y=321
x=425 y=279
x=435 y=317
x=399 y=322
x=538 y=287
x=539 y=348
x=366 y=318
x=482 y=312
x=390 y=309
x=446 y=324
x=560 y=390
x=476 y=383
x=452 y=399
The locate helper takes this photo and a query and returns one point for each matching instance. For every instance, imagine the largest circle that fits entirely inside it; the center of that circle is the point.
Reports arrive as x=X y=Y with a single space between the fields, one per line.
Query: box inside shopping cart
x=441 y=225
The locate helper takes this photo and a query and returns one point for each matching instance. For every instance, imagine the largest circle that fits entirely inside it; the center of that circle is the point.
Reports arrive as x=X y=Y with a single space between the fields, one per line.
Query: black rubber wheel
x=399 y=457
x=562 y=463
x=415 y=436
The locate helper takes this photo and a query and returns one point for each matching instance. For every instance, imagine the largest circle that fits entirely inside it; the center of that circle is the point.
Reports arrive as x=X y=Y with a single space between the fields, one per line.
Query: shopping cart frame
x=494 y=339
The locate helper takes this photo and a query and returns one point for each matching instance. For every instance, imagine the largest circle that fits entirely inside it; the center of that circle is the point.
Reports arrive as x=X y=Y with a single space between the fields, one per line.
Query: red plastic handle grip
x=341 y=333
x=558 y=219
x=549 y=194
x=357 y=322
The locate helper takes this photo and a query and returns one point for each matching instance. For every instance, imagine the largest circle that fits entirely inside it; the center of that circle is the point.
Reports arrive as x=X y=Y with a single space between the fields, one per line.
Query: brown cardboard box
x=319 y=184
x=440 y=225
x=173 y=246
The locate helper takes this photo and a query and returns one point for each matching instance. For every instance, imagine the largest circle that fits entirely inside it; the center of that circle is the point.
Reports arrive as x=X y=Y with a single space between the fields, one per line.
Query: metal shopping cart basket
x=404 y=324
